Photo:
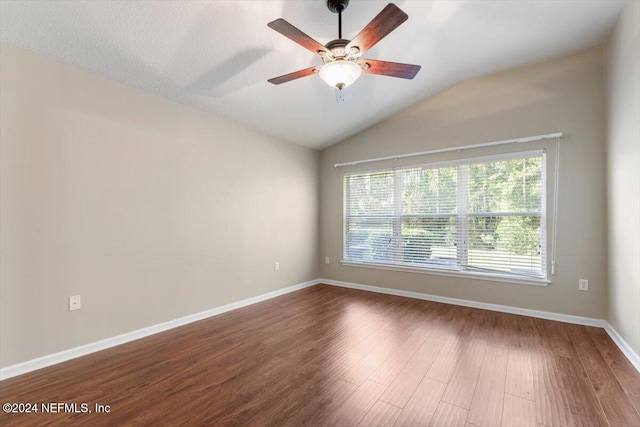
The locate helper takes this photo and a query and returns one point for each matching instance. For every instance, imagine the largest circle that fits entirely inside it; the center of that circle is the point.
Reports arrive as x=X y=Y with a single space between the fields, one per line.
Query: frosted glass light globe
x=340 y=73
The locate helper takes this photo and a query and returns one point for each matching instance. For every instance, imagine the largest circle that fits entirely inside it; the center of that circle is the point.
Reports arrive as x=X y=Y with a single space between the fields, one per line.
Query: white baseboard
x=586 y=321
x=63 y=356
x=623 y=346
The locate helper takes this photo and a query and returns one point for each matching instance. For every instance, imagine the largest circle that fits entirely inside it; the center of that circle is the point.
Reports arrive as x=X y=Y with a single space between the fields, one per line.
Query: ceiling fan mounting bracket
x=337 y=6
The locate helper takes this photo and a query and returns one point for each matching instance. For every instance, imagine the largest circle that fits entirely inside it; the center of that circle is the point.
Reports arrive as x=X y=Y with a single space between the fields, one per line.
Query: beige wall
x=564 y=95
x=148 y=209
x=623 y=175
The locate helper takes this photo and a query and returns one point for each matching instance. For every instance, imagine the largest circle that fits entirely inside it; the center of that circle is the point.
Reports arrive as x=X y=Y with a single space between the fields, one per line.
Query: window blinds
x=485 y=216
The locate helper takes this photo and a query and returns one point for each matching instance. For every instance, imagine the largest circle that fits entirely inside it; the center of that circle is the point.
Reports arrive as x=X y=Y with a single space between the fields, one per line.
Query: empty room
x=320 y=213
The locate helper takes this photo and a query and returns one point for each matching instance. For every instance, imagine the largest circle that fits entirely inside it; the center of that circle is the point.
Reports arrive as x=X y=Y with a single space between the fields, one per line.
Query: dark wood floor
x=333 y=356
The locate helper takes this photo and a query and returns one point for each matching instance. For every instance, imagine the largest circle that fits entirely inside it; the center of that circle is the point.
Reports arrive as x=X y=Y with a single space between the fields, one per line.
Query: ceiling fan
x=342 y=58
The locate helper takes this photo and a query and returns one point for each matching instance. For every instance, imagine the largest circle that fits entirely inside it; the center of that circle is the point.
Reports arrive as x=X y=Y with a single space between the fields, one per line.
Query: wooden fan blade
x=288 y=30
x=393 y=69
x=387 y=20
x=293 y=76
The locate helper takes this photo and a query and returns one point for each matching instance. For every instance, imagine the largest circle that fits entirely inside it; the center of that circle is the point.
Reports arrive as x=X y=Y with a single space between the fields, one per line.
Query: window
x=480 y=216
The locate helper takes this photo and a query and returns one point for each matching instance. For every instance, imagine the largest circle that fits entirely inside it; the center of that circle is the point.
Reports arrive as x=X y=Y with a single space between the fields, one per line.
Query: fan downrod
x=337 y=6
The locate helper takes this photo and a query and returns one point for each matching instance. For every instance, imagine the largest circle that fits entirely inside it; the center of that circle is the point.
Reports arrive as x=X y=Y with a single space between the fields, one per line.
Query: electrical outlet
x=276 y=266
x=583 y=285
x=74 y=303
x=326 y=260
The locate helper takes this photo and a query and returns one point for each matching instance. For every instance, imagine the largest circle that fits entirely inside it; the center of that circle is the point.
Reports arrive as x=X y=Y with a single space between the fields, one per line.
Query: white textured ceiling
x=218 y=55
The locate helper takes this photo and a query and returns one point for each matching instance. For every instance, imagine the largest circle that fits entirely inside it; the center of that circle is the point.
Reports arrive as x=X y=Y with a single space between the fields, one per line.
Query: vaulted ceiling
x=217 y=55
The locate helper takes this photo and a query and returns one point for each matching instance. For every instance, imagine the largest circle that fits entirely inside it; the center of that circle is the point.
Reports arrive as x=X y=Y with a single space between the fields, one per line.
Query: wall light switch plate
x=326 y=260
x=74 y=303
x=276 y=266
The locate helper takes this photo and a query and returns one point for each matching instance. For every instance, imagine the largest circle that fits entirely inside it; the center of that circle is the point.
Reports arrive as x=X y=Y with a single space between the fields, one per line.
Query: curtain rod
x=460 y=148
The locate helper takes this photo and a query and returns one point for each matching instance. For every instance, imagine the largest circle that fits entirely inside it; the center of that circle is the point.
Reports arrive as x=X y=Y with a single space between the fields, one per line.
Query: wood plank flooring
x=328 y=356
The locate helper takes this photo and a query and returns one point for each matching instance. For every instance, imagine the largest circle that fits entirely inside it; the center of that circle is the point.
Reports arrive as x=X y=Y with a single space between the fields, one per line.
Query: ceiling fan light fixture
x=340 y=73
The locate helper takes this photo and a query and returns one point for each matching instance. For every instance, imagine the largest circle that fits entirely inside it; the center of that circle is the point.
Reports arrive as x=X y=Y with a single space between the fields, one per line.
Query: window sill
x=442 y=272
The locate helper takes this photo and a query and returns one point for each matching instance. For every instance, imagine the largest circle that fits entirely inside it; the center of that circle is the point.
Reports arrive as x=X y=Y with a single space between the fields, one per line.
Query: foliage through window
x=480 y=215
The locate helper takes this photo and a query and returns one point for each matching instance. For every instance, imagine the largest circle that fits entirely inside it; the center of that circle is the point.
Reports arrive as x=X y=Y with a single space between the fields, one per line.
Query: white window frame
x=462 y=215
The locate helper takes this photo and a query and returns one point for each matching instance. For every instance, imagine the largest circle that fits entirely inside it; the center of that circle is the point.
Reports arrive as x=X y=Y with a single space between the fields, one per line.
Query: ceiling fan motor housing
x=336 y=50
